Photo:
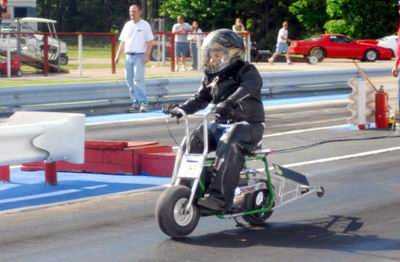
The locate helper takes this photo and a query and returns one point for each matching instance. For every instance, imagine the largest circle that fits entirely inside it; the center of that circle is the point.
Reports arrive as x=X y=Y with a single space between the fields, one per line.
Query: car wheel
x=371 y=55
x=318 y=53
x=312 y=60
x=63 y=59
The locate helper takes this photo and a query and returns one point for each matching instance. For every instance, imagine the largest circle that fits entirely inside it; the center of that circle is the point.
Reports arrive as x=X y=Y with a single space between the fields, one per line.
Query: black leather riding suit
x=231 y=135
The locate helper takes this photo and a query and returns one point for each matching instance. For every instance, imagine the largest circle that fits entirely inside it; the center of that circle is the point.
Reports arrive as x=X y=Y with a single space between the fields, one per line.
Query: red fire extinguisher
x=381 y=109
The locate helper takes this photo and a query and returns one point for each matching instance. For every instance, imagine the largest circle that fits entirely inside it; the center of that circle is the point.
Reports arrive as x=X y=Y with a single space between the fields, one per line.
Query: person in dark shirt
x=3 y=9
x=234 y=86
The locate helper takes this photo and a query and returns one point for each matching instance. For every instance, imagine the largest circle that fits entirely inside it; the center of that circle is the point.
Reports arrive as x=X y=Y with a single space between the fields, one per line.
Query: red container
x=5 y=173
x=15 y=65
x=108 y=157
x=157 y=164
x=381 y=109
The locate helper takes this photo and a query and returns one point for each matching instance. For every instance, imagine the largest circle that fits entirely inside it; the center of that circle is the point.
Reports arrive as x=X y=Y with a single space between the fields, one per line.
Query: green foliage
x=339 y=27
x=361 y=18
x=263 y=18
x=311 y=13
x=208 y=13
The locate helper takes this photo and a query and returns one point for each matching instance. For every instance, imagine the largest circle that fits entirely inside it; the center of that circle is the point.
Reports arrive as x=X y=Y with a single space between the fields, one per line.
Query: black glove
x=225 y=109
x=175 y=112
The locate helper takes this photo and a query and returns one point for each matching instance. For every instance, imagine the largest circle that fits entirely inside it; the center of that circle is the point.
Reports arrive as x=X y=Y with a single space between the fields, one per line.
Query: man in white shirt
x=282 y=44
x=181 y=29
x=136 y=40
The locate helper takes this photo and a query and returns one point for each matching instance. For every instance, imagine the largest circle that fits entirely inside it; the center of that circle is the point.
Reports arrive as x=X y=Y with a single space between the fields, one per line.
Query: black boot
x=211 y=202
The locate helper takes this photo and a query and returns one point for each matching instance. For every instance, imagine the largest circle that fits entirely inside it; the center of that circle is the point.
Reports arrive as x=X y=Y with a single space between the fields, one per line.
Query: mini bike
x=259 y=191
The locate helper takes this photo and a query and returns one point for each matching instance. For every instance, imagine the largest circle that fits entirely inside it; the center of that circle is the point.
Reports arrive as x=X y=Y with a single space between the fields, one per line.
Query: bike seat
x=258 y=150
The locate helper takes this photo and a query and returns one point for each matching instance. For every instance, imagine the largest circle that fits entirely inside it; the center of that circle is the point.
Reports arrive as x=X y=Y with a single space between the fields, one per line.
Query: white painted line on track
x=16 y=199
x=125 y=121
x=299 y=131
x=314 y=122
x=308 y=104
x=344 y=157
x=94 y=187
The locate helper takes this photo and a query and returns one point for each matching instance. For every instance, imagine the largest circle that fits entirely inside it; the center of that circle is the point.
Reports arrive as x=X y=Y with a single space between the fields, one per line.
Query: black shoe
x=134 y=108
x=212 y=203
x=143 y=108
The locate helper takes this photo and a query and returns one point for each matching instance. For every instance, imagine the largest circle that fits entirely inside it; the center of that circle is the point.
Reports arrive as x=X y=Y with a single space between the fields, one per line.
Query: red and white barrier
x=119 y=157
x=41 y=136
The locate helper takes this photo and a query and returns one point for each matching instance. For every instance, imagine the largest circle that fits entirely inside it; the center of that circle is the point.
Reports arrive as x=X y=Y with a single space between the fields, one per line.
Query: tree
x=361 y=18
x=357 y=18
x=210 y=13
x=263 y=18
x=311 y=14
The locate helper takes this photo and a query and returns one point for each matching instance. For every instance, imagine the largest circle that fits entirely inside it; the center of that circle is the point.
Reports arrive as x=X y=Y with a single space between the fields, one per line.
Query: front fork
x=271 y=190
x=198 y=183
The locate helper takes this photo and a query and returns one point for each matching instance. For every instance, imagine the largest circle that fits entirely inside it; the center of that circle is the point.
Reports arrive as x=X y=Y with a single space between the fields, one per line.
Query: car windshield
x=340 y=39
x=27 y=28
x=316 y=37
x=387 y=38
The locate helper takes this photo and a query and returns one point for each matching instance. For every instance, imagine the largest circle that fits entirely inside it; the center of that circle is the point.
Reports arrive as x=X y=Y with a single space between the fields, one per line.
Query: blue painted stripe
x=159 y=114
x=28 y=189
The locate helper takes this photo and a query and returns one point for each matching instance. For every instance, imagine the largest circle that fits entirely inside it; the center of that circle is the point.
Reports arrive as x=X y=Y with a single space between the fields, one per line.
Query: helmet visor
x=215 y=58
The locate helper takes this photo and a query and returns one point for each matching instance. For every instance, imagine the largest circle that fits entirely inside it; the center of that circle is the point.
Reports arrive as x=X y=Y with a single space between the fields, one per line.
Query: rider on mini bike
x=234 y=86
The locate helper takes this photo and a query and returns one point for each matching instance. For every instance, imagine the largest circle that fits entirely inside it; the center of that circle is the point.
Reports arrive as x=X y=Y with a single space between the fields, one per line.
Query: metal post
x=80 y=57
x=50 y=172
x=113 y=53
x=163 y=44
x=159 y=47
x=361 y=99
x=198 y=46
x=248 y=47
x=5 y=174
x=46 y=54
x=172 y=48
x=58 y=54
x=8 y=57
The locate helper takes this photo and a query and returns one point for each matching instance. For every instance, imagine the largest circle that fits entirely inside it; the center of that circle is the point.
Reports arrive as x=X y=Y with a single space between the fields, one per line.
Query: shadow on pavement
x=332 y=233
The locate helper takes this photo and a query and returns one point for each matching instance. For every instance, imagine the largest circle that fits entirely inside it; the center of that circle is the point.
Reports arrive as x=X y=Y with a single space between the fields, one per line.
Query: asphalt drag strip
x=357 y=220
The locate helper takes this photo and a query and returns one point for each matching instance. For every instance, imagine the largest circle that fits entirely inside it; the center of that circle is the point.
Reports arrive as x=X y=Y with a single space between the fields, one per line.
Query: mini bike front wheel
x=254 y=201
x=171 y=214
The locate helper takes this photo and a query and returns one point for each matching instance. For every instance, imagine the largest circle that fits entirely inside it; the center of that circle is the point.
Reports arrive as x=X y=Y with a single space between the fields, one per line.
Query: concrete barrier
x=41 y=136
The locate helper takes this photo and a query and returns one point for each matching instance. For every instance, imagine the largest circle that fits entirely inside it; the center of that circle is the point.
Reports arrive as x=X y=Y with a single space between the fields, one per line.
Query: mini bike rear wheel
x=257 y=200
x=171 y=214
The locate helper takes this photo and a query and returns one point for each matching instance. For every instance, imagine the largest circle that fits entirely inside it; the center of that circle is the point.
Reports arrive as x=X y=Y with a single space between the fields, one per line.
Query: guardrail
x=113 y=97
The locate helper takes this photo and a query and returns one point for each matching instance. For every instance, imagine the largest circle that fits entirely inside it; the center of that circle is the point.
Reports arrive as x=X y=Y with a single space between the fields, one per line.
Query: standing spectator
x=395 y=69
x=238 y=27
x=3 y=9
x=181 y=29
x=282 y=44
x=195 y=41
x=136 y=40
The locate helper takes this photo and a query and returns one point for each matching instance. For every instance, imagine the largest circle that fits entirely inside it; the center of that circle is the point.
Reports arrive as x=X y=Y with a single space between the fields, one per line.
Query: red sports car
x=339 y=46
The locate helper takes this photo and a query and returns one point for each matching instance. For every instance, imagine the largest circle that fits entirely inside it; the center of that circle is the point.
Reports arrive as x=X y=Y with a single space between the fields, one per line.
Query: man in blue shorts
x=181 y=29
x=282 y=44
